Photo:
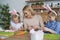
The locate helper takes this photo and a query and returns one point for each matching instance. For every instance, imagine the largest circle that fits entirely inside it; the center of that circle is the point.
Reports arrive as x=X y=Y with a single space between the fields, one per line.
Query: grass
x=46 y=36
x=52 y=36
x=6 y=33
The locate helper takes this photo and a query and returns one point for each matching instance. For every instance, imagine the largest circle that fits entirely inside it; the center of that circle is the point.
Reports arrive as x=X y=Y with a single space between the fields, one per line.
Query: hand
x=36 y=28
x=29 y=27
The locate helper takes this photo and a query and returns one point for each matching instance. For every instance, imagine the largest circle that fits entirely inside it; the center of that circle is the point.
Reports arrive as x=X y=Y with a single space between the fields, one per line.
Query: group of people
x=33 y=21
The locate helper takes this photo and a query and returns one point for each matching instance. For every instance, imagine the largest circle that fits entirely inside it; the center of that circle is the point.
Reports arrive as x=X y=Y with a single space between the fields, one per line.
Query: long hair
x=29 y=8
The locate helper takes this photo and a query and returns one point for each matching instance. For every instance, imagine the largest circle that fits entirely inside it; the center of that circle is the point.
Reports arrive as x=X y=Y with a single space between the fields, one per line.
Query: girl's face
x=27 y=13
x=16 y=19
x=51 y=18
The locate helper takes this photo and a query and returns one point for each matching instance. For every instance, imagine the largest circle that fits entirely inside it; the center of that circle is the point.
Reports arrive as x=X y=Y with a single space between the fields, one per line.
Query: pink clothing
x=36 y=21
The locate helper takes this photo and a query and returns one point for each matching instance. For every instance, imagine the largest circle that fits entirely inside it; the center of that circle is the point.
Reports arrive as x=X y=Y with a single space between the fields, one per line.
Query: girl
x=15 y=23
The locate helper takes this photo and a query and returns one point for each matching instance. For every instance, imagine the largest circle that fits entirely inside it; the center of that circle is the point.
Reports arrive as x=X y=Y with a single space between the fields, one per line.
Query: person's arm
x=57 y=29
x=24 y=25
x=21 y=27
x=49 y=30
x=45 y=28
x=10 y=27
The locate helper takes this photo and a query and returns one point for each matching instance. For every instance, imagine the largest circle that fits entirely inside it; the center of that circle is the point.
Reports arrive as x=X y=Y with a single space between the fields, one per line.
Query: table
x=23 y=37
x=27 y=37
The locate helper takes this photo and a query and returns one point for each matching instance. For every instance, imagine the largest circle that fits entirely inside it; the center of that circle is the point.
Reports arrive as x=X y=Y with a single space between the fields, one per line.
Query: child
x=53 y=24
x=15 y=23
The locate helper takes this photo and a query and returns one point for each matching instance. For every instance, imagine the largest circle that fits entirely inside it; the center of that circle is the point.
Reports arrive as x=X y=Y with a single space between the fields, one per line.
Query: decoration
x=13 y=12
x=49 y=8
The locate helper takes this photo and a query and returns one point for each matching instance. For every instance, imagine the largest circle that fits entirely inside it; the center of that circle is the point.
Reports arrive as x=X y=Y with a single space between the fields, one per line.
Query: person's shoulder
x=25 y=20
x=48 y=22
x=21 y=23
x=12 y=23
x=38 y=16
x=58 y=22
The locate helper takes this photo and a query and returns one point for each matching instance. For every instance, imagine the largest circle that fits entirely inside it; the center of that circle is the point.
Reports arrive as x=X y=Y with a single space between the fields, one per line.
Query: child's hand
x=29 y=27
x=21 y=29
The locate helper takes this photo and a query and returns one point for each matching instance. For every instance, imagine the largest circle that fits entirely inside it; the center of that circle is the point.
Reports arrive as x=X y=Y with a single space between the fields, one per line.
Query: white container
x=37 y=35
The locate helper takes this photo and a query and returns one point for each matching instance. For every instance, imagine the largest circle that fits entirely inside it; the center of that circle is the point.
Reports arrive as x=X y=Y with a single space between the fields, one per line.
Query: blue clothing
x=54 y=25
x=57 y=29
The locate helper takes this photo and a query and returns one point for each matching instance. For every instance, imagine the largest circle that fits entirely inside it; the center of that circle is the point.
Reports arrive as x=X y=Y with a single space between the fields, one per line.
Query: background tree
x=4 y=16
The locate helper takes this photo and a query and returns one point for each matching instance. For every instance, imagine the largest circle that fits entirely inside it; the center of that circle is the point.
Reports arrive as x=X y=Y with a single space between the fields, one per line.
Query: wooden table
x=27 y=37
x=23 y=37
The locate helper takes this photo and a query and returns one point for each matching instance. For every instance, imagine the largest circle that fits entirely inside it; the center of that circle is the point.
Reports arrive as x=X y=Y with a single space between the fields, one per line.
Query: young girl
x=15 y=23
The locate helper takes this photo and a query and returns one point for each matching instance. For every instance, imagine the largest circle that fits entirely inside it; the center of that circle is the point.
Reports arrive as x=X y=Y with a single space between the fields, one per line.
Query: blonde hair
x=52 y=14
x=29 y=8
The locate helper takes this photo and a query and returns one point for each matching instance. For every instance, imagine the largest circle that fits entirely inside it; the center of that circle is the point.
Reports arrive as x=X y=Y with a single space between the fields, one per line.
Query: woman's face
x=27 y=13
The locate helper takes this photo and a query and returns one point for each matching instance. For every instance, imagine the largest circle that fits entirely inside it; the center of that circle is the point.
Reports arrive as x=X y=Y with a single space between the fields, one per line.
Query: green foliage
x=6 y=34
x=41 y=3
x=52 y=36
x=4 y=16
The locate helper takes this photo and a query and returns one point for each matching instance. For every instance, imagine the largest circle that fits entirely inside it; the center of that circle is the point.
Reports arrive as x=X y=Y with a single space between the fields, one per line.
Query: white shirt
x=16 y=26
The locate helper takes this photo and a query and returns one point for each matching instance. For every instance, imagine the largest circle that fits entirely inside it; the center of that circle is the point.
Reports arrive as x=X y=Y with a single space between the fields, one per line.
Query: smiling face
x=52 y=16
x=16 y=19
x=27 y=13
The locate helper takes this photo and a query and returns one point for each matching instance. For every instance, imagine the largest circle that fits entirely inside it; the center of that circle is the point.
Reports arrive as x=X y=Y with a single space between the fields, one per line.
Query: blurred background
x=37 y=5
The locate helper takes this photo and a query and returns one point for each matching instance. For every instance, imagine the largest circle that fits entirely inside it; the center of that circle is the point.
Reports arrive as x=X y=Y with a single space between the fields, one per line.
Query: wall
x=19 y=4
x=49 y=2
x=15 y=4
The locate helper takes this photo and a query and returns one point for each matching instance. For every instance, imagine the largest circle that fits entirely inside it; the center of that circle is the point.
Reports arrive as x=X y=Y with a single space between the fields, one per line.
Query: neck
x=52 y=20
x=30 y=17
x=16 y=22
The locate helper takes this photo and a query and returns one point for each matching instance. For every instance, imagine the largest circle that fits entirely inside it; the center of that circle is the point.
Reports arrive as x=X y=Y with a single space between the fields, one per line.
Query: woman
x=33 y=23
x=31 y=20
